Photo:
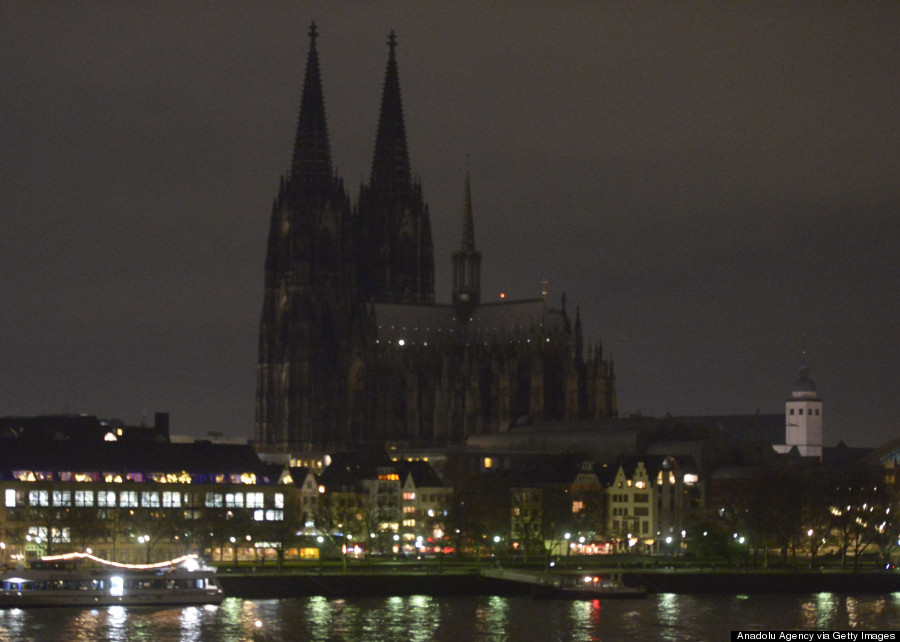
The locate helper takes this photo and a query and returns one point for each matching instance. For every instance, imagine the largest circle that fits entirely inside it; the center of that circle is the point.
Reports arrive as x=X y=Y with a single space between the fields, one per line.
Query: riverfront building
x=128 y=494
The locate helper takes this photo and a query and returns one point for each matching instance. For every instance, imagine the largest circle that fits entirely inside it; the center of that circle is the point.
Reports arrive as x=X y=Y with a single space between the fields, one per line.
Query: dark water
x=460 y=619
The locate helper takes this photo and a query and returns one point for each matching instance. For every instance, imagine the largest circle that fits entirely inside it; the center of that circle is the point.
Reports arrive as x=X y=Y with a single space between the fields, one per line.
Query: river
x=669 y=616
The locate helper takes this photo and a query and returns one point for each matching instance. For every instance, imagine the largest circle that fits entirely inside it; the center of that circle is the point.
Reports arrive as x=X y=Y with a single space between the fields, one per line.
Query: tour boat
x=72 y=580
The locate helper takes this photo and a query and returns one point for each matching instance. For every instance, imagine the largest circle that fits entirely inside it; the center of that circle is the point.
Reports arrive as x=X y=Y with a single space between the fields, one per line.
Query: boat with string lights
x=82 y=579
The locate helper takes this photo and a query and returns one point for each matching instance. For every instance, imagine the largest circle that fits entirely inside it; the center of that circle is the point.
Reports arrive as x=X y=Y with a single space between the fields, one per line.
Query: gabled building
x=307 y=489
x=550 y=497
x=426 y=501
x=649 y=503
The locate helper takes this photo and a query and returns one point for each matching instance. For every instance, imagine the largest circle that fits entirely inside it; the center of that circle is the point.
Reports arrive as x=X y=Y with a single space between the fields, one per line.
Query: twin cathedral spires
x=354 y=349
x=381 y=250
x=326 y=260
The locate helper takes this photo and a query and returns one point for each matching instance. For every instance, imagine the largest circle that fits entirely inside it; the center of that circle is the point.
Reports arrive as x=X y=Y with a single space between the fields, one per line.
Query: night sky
x=715 y=185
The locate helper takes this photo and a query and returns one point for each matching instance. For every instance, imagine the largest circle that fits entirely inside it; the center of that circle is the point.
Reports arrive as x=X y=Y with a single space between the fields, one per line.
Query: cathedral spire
x=396 y=252
x=390 y=166
x=467 y=261
x=468 y=227
x=579 y=337
x=312 y=154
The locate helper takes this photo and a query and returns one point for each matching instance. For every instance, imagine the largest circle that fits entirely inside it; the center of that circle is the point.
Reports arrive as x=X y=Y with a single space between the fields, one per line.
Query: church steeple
x=308 y=267
x=467 y=261
x=396 y=253
x=468 y=227
x=311 y=165
x=579 y=337
x=390 y=166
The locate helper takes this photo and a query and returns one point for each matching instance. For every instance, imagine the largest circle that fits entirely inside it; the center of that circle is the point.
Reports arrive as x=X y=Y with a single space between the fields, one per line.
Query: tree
x=816 y=491
x=860 y=503
x=481 y=506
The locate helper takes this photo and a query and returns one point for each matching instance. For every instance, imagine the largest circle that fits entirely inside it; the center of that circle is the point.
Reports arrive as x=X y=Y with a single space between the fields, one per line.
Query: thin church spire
x=312 y=153
x=390 y=165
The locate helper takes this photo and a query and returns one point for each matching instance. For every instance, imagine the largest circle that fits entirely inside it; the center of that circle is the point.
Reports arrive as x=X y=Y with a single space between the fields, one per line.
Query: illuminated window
x=213 y=500
x=128 y=499
x=690 y=479
x=38 y=498
x=409 y=496
x=171 y=500
x=274 y=515
x=255 y=500
x=279 y=500
x=409 y=509
x=234 y=500
x=577 y=506
x=10 y=498
x=38 y=532
x=150 y=499
x=259 y=515
x=62 y=498
x=488 y=462
x=640 y=484
x=106 y=499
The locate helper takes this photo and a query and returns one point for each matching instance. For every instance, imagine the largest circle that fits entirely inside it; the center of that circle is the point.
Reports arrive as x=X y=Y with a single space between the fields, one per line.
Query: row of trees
x=802 y=511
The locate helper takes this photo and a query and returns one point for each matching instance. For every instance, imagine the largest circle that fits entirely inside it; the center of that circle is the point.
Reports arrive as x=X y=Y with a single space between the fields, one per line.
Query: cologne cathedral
x=353 y=347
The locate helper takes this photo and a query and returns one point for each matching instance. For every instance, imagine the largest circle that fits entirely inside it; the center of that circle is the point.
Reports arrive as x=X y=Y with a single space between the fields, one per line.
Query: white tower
x=803 y=417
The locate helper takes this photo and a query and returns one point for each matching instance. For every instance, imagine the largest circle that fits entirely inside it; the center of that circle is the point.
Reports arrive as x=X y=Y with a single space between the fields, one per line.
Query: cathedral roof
x=514 y=318
x=502 y=322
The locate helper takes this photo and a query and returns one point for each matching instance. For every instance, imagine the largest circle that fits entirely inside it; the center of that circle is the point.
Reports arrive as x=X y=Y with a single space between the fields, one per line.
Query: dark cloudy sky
x=714 y=184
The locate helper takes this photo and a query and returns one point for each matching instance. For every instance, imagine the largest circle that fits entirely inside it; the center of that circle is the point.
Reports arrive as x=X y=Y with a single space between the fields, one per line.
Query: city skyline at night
x=713 y=186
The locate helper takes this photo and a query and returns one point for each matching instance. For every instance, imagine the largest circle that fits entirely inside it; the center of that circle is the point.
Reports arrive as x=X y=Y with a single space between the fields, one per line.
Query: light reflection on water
x=420 y=618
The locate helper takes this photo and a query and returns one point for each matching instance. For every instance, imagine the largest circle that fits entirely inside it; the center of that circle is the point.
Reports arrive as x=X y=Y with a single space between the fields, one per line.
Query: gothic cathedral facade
x=353 y=348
